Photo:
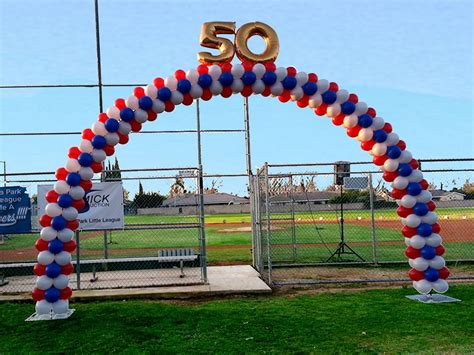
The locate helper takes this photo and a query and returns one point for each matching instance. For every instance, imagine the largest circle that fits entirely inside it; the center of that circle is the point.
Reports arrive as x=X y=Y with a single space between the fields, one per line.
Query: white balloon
x=112 y=138
x=440 y=286
x=377 y=123
x=141 y=115
x=415 y=176
x=365 y=134
x=301 y=78
x=350 y=121
x=45 y=257
x=259 y=70
x=72 y=165
x=132 y=102
x=98 y=155
x=215 y=71
x=259 y=86
x=430 y=218
x=60 y=306
x=405 y=156
x=323 y=85
x=433 y=240
x=44 y=282
x=400 y=183
x=410 y=262
x=315 y=100
x=193 y=76
x=99 y=128
x=43 y=307
x=61 y=187
x=151 y=91
x=420 y=264
x=48 y=234
x=196 y=91
x=407 y=242
x=392 y=139
x=171 y=83
x=280 y=73
x=390 y=165
x=361 y=108
x=86 y=173
x=379 y=149
x=437 y=262
x=159 y=106
x=333 y=110
x=417 y=242
x=86 y=146
x=277 y=89
x=77 y=192
x=342 y=96
x=216 y=87
x=413 y=221
x=60 y=282
x=237 y=86
x=53 y=209
x=424 y=196
x=70 y=214
x=297 y=93
x=422 y=286
x=113 y=112
x=65 y=235
x=63 y=258
x=237 y=71
x=176 y=98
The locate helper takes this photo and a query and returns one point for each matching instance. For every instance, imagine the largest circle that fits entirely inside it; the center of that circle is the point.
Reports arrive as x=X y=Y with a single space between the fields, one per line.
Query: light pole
x=4 y=172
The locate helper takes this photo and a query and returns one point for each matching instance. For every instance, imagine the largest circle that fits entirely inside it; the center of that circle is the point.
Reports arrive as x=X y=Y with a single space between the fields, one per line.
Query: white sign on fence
x=104 y=206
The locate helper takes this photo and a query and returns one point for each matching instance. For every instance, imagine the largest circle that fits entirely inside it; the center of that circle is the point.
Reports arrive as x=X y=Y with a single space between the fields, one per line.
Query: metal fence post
x=78 y=260
x=269 y=237
x=372 y=219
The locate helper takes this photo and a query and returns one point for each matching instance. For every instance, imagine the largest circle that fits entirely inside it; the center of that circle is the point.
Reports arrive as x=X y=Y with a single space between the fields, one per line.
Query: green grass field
x=371 y=321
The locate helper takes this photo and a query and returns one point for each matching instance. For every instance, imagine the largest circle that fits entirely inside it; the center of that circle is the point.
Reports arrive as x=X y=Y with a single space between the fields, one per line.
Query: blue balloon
x=289 y=83
x=431 y=274
x=112 y=125
x=329 y=97
x=145 y=103
x=73 y=179
x=127 y=114
x=58 y=223
x=379 y=136
x=348 y=108
x=365 y=121
x=53 y=270
x=164 y=94
x=424 y=229
x=428 y=252
x=205 y=80
x=65 y=201
x=184 y=86
x=52 y=294
x=420 y=209
x=249 y=78
x=98 y=142
x=394 y=152
x=404 y=169
x=226 y=79
x=55 y=246
x=414 y=188
x=310 y=88
x=85 y=159
x=269 y=78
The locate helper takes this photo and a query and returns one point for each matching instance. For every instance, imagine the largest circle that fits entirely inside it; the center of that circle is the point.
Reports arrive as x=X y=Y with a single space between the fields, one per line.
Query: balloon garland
x=416 y=208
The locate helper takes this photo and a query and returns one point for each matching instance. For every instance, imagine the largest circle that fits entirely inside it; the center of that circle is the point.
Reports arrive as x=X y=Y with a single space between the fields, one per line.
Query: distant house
x=314 y=197
x=215 y=199
x=441 y=195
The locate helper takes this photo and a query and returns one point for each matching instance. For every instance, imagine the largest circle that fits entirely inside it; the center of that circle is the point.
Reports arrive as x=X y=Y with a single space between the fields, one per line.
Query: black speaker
x=342 y=169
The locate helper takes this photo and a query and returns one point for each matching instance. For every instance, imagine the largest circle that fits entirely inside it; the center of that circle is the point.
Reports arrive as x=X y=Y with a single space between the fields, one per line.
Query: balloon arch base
x=51 y=316
x=433 y=298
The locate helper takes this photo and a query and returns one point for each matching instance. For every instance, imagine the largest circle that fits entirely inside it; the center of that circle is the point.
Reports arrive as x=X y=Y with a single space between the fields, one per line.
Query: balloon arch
x=416 y=208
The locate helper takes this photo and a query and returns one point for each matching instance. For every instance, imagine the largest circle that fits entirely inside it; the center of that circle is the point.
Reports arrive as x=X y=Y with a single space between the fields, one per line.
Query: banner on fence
x=104 y=206
x=15 y=210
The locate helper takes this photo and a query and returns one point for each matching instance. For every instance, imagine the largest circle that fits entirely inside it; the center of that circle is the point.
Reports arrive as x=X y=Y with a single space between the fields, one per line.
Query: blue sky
x=412 y=61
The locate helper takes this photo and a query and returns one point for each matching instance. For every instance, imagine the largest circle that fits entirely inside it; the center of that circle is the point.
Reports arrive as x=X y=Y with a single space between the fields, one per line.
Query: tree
x=140 y=188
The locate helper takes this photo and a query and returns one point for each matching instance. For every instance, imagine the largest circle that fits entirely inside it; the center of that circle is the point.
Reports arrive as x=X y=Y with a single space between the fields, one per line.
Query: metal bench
x=177 y=255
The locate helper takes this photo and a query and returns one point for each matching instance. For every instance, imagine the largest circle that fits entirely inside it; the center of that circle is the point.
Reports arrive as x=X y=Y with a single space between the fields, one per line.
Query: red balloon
x=139 y=92
x=312 y=78
x=270 y=66
x=136 y=126
x=206 y=94
x=354 y=131
x=72 y=225
x=440 y=250
x=412 y=253
x=387 y=127
x=339 y=120
x=267 y=92
x=226 y=67
x=226 y=92
x=246 y=91
x=169 y=106
x=61 y=174
x=353 y=98
x=39 y=269
x=180 y=74
x=436 y=228
x=371 y=112
x=52 y=196
x=102 y=117
x=74 y=152
x=398 y=194
x=402 y=145
x=67 y=269
x=390 y=175
x=41 y=244
x=367 y=145
x=120 y=104
x=416 y=275
x=408 y=231
x=380 y=160
x=303 y=102
x=88 y=134
x=45 y=220
x=188 y=99
x=424 y=184
x=291 y=71
x=443 y=273
x=158 y=82
x=285 y=96
x=109 y=150
x=202 y=69
x=404 y=212
x=431 y=206
x=414 y=164
x=152 y=115
x=321 y=109
x=333 y=86
x=37 y=294
x=96 y=166
x=79 y=204
x=70 y=246
x=65 y=293
x=86 y=185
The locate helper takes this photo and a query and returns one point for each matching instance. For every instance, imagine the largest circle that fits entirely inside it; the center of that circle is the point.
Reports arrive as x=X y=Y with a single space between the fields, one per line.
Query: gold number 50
x=227 y=49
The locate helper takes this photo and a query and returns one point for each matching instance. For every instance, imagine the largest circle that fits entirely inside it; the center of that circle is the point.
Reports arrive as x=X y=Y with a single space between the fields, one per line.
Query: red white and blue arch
x=416 y=208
